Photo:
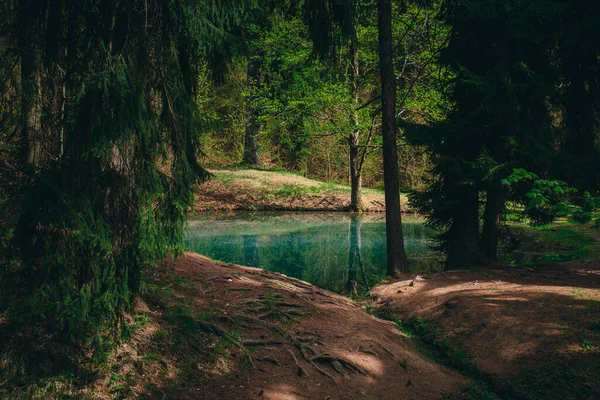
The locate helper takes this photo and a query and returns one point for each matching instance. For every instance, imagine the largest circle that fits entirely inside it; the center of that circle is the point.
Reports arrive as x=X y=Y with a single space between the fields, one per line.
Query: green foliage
x=546 y=200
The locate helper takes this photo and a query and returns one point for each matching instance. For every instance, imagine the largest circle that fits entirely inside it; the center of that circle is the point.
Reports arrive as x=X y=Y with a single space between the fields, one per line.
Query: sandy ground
x=510 y=319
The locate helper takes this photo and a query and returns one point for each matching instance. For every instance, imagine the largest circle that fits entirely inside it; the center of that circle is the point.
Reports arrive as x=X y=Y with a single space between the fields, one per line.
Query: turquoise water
x=329 y=250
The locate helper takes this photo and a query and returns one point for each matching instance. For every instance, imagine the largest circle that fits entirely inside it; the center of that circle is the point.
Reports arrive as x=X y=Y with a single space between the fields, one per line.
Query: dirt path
x=286 y=339
x=514 y=320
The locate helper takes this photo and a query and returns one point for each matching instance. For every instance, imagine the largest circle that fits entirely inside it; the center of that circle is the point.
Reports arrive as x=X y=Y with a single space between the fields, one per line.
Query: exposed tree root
x=303 y=345
x=311 y=340
x=386 y=349
x=270 y=359
x=301 y=370
x=217 y=330
x=286 y=304
x=322 y=371
x=331 y=359
x=368 y=351
x=287 y=313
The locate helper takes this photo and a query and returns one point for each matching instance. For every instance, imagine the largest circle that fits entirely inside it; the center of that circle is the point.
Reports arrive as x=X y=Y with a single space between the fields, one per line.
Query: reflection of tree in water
x=327 y=253
x=355 y=263
x=284 y=253
x=329 y=250
x=251 y=248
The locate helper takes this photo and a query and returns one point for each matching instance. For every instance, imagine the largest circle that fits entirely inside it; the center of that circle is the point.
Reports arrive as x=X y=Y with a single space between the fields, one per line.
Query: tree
x=261 y=20
x=326 y=91
x=110 y=166
x=578 y=67
x=500 y=120
x=396 y=256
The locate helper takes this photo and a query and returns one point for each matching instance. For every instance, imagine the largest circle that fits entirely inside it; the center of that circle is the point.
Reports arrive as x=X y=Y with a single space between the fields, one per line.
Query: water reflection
x=336 y=251
x=354 y=257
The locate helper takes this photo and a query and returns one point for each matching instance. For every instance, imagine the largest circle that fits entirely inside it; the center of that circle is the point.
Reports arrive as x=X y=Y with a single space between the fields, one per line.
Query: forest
x=299 y=199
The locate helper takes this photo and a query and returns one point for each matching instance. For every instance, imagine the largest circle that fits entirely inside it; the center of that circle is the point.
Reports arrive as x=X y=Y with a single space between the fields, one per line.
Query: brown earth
x=511 y=319
x=259 y=190
x=287 y=340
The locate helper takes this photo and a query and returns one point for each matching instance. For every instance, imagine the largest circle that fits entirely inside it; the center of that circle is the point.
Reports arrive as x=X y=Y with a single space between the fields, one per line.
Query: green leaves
x=550 y=199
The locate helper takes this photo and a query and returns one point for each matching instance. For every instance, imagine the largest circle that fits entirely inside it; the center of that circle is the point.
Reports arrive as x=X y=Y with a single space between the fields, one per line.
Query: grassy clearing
x=282 y=184
x=257 y=189
x=559 y=242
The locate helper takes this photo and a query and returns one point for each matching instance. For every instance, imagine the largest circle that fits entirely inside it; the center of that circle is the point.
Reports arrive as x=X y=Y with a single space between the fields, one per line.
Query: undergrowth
x=560 y=242
x=572 y=376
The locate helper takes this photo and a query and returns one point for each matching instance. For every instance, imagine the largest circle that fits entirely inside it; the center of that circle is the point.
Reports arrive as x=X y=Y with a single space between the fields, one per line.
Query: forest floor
x=208 y=330
x=262 y=190
x=222 y=331
x=524 y=332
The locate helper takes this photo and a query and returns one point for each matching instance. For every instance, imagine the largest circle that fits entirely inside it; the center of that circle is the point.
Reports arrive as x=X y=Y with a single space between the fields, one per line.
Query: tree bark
x=463 y=235
x=252 y=125
x=353 y=140
x=396 y=256
x=491 y=221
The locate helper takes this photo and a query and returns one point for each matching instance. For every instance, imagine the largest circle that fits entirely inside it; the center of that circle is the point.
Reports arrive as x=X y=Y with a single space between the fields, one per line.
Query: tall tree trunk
x=491 y=221
x=252 y=125
x=353 y=140
x=463 y=236
x=396 y=256
x=31 y=98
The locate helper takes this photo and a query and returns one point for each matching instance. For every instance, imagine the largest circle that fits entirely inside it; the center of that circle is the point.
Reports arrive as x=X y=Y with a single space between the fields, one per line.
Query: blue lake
x=329 y=250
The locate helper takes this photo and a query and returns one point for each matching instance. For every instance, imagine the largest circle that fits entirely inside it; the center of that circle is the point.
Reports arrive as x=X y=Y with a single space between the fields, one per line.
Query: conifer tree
x=108 y=129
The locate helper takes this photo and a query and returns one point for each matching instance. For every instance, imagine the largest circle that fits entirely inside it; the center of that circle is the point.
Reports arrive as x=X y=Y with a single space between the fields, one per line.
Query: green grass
x=304 y=186
x=560 y=242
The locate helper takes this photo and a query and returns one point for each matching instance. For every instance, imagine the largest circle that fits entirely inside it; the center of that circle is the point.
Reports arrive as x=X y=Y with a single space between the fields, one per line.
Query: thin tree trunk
x=252 y=125
x=353 y=140
x=31 y=103
x=491 y=221
x=396 y=256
